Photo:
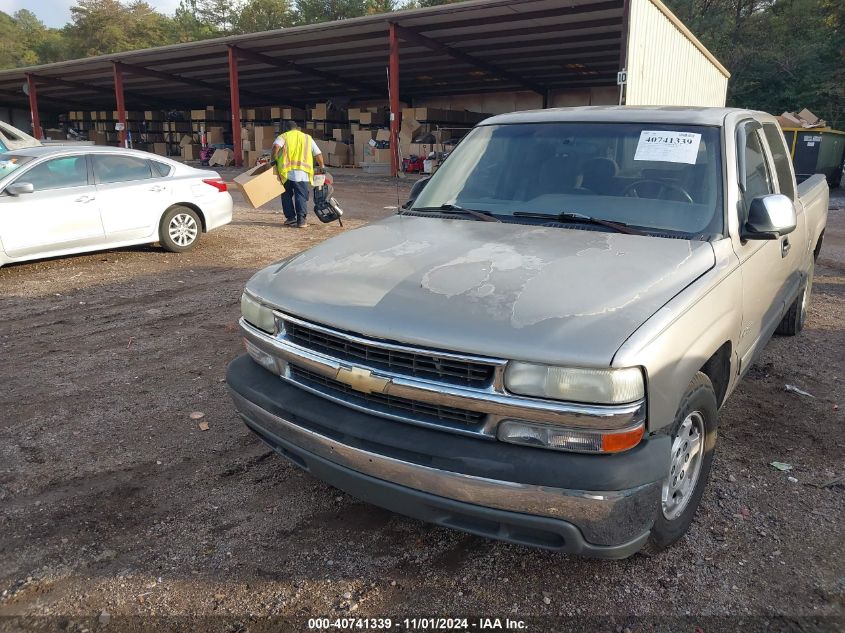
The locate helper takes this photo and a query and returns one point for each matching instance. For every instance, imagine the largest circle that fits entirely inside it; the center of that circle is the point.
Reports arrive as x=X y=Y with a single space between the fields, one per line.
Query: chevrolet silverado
x=536 y=347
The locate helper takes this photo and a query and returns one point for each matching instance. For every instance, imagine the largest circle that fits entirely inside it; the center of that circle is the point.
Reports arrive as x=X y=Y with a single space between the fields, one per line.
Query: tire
x=818 y=249
x=795 y=317
x=180 y=229
x=696 y=416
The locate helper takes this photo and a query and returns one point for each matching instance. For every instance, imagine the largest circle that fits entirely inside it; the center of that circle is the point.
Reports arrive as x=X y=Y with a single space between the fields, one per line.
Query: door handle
x=85 y=199
x=784 y=247
x=156 y=188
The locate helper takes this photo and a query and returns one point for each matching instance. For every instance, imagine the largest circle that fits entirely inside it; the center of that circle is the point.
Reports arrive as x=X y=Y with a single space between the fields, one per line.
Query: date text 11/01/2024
x=418 y=624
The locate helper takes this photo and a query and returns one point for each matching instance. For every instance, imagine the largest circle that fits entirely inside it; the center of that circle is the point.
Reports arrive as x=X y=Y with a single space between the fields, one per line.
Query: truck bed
x=814 y=196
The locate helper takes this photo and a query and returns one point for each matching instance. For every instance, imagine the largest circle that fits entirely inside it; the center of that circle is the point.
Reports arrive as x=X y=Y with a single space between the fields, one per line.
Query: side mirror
x=18 y=188
x=415 y=192
x=769 y=217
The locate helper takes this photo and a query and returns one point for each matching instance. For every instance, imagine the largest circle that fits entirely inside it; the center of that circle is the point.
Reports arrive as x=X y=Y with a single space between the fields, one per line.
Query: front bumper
x=594 y=505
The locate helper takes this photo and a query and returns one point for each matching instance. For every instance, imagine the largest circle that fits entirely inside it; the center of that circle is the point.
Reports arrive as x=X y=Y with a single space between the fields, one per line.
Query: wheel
x=818 y=249
x=693 y=444
x=180 y=229
x=793 y=321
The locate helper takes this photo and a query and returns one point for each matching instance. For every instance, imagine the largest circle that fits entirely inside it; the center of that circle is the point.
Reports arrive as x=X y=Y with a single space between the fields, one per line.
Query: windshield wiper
x=453 y=208
x=619 y=227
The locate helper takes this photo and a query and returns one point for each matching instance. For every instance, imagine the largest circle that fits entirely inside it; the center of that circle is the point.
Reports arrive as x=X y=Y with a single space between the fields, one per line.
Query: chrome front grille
x=406 y=362
x=387 y=379
x=385 y=403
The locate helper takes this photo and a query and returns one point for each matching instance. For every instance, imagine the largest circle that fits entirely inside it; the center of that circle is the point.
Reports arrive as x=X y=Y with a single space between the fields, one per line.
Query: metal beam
x=412 y=36
x=197 y=83
x=67 y=104
x=308 y=70
x=78 y=85
x=235 y=97
x=121 y=102
x=393 y=90
x=33 y=106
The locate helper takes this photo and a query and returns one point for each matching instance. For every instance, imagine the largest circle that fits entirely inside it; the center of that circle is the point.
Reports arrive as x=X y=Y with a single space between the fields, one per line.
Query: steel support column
x=33 y=106
x=393 y=89
x=121 y=103
x=235 y=105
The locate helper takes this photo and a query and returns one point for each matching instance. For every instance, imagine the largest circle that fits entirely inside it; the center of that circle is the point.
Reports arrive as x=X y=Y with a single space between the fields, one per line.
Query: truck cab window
x=781 y=159
x=758 y=182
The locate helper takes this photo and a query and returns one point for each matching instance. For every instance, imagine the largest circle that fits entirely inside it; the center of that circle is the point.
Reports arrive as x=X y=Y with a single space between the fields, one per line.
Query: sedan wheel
x=180 y=229
x=183 y=229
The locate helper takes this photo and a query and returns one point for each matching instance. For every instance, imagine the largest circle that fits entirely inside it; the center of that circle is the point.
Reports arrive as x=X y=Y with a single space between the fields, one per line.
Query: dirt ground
x=114 y=503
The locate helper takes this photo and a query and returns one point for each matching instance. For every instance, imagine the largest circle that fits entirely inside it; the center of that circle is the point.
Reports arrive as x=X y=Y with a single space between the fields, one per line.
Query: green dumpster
x=817 y=151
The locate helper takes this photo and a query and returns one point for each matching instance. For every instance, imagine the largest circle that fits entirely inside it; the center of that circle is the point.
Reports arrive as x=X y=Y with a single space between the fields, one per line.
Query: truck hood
x=512 y=291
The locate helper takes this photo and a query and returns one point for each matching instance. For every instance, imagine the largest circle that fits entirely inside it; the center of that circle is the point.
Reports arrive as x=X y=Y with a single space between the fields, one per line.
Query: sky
x=56 y=13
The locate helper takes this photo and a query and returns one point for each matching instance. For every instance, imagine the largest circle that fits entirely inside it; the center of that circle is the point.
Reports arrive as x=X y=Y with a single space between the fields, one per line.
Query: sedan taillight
x=217 y=183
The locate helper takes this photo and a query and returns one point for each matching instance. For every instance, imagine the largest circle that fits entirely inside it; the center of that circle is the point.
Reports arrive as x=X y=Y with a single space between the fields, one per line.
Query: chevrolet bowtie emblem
x=362 y=380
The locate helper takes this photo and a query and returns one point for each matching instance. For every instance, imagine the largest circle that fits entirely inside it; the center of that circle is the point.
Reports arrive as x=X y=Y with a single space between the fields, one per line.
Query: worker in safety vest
x=294 y=153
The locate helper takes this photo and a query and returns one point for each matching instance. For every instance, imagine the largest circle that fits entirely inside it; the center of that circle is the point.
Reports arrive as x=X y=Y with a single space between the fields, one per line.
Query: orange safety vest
x=296 y=154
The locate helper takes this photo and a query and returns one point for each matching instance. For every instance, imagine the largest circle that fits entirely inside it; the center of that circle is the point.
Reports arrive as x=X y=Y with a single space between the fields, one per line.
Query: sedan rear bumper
x=217 y=209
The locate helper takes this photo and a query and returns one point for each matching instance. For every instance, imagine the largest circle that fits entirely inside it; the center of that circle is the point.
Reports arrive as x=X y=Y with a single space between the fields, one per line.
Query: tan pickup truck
x=536 y=347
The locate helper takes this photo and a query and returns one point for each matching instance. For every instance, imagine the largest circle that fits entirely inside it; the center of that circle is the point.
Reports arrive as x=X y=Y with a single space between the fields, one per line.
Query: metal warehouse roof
x=470 y=47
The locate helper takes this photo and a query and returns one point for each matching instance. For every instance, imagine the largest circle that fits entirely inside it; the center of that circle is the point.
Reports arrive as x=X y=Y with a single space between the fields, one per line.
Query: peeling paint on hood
x=515 y=291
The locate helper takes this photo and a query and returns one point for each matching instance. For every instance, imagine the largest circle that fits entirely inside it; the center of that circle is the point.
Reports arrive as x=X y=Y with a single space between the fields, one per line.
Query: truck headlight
x=257 y=314
x=596 y=386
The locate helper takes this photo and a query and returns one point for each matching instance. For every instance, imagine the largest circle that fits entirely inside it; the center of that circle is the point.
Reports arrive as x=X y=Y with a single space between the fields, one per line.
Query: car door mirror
x=19 y=188
x=769 y=217
x=415 y=191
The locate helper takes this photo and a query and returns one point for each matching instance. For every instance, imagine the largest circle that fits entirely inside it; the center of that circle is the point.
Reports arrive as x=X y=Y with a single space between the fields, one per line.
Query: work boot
x=301 y=224
x=290 y=222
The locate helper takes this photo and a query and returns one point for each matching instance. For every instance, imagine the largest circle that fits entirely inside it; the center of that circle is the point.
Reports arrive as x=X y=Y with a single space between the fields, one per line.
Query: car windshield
x=660 y=178
x=12 y=162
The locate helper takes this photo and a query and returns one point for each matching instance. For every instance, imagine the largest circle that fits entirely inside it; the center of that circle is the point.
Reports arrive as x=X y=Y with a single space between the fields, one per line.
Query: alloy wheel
x=686 y=458
x=183 y=229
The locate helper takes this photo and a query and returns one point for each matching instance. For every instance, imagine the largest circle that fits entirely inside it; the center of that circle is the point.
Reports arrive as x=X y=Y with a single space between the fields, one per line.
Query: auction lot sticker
x=668 y=147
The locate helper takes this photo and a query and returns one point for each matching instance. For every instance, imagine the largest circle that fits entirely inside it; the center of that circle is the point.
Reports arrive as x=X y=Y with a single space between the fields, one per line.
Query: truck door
x=795 y=246
x=764 y=263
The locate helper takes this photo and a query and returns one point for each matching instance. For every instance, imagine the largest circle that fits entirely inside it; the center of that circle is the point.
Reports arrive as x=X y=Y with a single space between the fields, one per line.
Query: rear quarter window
x=160 y=169
x=777 y=145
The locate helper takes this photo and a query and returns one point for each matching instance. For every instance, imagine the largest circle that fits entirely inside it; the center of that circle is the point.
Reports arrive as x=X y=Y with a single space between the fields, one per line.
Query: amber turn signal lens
x=617 y=442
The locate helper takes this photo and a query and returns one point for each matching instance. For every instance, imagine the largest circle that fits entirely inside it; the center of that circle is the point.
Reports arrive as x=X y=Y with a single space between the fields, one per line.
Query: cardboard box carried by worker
x=260 y=184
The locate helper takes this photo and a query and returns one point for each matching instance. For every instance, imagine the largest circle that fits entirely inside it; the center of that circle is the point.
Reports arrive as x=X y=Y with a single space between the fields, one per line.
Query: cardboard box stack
x=215 y=135
x=335 y=153
x=804 y=119
x=360 y=145
x=191 y=152
x=264 y=136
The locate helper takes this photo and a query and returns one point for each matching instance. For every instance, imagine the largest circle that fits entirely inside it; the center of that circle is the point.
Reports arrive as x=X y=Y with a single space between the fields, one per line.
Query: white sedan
x=63 y=200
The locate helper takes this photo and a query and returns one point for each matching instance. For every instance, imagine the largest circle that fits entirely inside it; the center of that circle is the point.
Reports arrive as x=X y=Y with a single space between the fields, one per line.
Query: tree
x=312 y=11
x=417 y=4
x=107 y=26
x=264 y=15
x=783 y=54
x=186 y=26
x=380 y=6
x=25 y=41
x=221 y=15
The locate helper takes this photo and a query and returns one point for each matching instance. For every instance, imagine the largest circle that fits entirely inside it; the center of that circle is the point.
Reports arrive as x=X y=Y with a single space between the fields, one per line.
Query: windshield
x=665 y=178
x=11 y=162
